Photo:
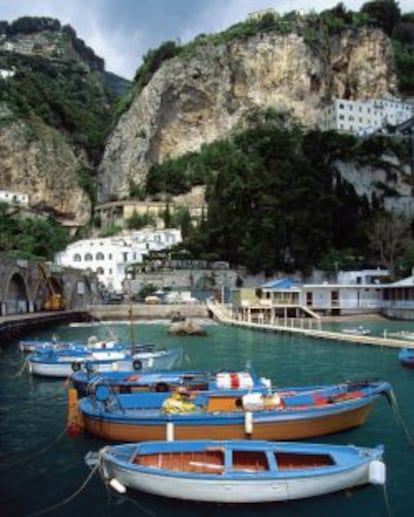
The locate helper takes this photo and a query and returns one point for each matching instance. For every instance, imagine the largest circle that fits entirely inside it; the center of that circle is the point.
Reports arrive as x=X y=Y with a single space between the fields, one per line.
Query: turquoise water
x=41 y=467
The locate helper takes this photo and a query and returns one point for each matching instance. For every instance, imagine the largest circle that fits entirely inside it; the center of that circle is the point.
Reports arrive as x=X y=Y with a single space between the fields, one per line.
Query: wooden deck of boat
x=222 y=315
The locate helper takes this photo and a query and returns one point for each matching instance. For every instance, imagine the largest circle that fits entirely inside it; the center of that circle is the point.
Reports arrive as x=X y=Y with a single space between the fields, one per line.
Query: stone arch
x=16 y=298
x=78 y=291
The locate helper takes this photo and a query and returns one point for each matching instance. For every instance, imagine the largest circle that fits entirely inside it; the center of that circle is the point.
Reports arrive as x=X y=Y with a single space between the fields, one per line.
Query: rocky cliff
x=54 y=111
x=46 y=37
x=199 y=98
x=37 y=160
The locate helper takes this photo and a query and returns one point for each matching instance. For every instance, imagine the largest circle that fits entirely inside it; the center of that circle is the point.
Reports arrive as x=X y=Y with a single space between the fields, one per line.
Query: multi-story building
x=365 y=117
x=109 y=257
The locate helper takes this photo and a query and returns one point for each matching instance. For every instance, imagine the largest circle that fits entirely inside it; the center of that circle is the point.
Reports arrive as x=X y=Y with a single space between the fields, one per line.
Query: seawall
x=140 y=311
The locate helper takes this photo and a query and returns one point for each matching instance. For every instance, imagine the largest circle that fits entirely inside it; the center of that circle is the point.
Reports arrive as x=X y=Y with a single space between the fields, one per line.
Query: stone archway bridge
x=25 y=286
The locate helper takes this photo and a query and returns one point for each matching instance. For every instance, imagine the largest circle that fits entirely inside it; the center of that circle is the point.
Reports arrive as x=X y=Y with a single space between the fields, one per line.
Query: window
x=77 y=258
x=100 y=271
x=88 y=257
x=100 y=256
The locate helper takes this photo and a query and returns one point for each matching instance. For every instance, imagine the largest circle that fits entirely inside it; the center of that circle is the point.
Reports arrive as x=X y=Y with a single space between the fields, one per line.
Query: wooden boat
x=239 y=471
x=406 y=357
x=165 y=381
x=63 y=363
x=288 y=414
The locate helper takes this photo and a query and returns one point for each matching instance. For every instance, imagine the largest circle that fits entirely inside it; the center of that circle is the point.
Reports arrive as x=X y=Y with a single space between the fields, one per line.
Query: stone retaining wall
x=147 y=312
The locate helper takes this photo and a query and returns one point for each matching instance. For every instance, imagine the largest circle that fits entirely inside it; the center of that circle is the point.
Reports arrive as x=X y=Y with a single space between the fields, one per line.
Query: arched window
x=77 y=258
x=88 y=257
x=100 y=256
x=100 y=271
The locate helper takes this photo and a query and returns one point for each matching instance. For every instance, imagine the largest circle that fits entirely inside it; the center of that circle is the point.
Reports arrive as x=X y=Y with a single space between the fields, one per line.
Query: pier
x=221 y=314
x=15 y=325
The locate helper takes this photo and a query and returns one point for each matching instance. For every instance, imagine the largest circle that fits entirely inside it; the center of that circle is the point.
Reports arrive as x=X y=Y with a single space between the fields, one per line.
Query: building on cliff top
x=365 y=117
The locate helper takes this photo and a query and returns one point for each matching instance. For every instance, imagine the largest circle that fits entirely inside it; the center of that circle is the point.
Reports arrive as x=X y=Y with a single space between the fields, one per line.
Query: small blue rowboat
x=239 y=471
x=406 y=357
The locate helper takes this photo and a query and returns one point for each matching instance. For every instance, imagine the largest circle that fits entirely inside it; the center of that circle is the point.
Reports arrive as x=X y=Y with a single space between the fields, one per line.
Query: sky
x=122 y=31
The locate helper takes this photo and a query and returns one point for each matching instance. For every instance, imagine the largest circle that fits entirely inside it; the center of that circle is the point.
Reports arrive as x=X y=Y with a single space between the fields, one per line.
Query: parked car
x=113 y=298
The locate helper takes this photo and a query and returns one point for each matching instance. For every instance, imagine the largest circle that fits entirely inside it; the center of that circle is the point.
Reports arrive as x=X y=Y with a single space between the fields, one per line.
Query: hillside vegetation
x=275 y=199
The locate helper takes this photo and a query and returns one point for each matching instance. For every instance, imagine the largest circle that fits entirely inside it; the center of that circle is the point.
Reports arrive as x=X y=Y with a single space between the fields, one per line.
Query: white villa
x=109 y=257
x=365 y=117
x=14 y=198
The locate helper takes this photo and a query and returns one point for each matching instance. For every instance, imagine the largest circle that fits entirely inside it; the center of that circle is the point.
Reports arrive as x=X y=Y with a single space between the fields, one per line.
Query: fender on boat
x=377 y=472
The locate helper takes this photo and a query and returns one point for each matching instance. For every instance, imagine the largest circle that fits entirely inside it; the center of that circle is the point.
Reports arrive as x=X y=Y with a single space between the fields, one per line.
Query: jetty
x=15 y=325
x=297 y=326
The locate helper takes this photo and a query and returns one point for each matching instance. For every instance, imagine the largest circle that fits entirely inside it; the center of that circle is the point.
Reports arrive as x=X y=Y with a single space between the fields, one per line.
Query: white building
x=109 y=257
x=258 y=15
x=14 y=198
x=365 y=117
x=5 y=73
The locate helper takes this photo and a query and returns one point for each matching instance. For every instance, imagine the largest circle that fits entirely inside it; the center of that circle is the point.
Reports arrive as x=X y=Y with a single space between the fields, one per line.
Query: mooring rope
x=25 y=363
x=124 y=498
x=386 y=501
x=67 y=499
x=398 y=417
x=36 y=453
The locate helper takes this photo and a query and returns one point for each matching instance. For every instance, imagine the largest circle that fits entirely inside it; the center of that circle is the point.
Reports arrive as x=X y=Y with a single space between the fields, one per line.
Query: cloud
x=122 y=31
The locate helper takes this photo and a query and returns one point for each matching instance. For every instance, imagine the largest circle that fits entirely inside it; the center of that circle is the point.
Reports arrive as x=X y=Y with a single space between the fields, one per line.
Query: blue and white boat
x=239 y=471
x=63 y=363
x=133 y=381
x=406 y=357
x=33 y=345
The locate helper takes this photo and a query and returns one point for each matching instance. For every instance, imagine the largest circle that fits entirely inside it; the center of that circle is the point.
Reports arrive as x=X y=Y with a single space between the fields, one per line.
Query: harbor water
x=42 y=470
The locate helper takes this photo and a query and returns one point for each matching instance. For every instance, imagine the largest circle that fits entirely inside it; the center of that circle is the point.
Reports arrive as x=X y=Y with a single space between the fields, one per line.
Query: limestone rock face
x=38 y=161
x=198 y=99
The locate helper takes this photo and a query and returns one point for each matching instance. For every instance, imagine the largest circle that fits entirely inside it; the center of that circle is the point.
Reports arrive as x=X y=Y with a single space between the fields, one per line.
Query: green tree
x=384 y=13
x=389 y=237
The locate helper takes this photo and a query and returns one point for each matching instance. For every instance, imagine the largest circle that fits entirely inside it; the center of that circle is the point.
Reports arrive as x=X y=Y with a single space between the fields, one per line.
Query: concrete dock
x=222 y=315
x=15 y=325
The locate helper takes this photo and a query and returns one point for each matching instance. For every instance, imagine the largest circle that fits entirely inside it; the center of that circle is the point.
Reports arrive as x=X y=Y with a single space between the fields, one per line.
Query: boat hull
x=66 y=369
x=65 y=366
x=284 y=427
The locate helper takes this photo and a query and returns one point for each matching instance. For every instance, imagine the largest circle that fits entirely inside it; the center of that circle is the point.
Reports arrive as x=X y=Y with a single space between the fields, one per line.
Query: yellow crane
x=55 y=301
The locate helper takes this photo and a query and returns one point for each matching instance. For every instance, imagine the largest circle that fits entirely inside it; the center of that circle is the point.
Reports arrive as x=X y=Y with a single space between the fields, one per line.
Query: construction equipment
x=54 y=301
